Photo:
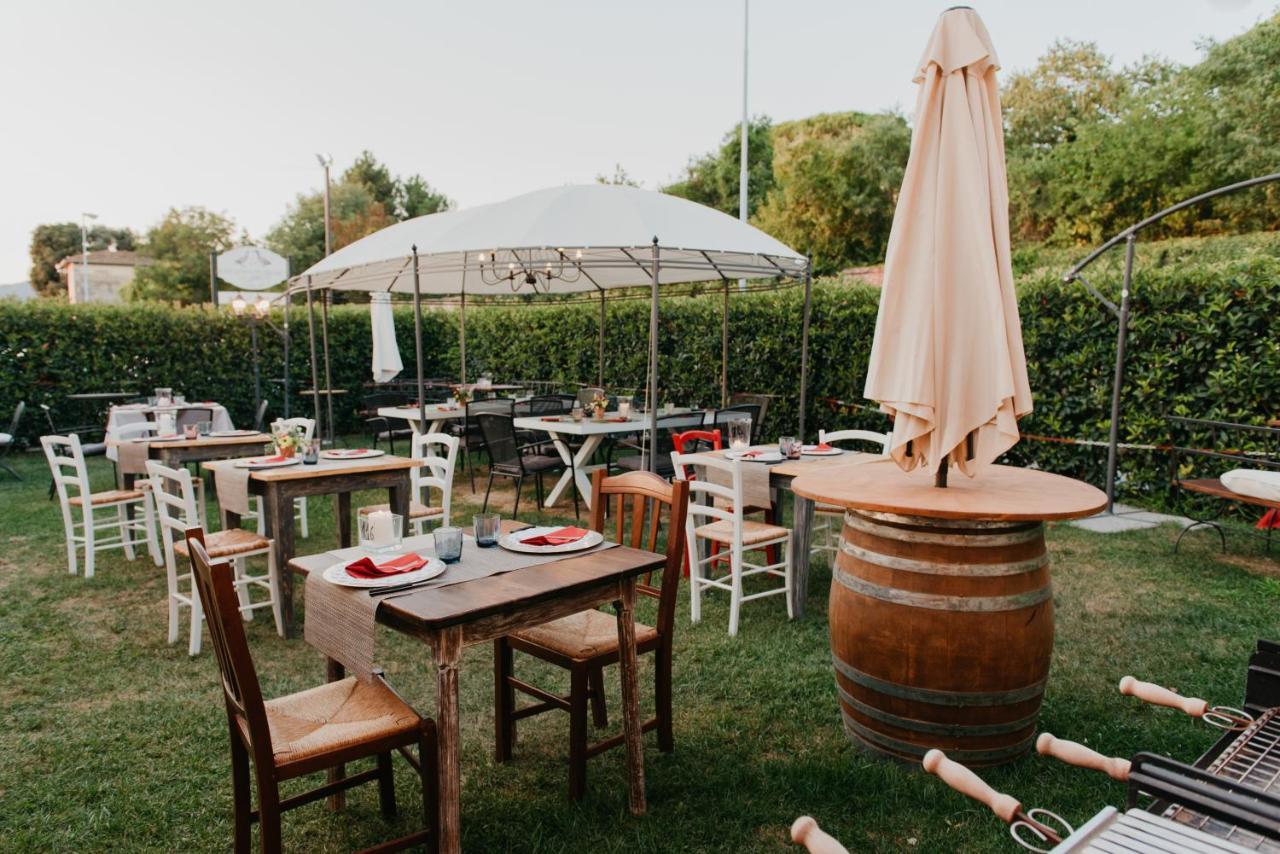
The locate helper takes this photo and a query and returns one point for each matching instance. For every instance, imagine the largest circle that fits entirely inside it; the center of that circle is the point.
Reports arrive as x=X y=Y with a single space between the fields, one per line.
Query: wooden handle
x=1074 y=753
x=968 y=783
x=1192 y=706
x=805 y=831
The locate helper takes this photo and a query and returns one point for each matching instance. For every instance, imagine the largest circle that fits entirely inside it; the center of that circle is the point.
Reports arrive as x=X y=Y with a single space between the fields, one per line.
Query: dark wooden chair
x=509 y=458
x=304 y=733
x=586 y=642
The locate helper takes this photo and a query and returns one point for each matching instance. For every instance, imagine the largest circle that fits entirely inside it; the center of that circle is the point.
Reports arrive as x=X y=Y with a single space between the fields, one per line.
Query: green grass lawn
x=113 y=740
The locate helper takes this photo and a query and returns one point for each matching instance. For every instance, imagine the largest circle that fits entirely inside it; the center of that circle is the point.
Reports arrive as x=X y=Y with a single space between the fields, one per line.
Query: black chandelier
x=536 y=268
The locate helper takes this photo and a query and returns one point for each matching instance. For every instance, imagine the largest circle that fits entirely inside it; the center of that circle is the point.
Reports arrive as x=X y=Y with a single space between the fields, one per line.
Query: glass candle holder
x=486 y=527
x=448 y=543
x=739 y=434
x=577 y=413
x=190 y=431
x=789 y=447
x=380 y=531
x=624 y=407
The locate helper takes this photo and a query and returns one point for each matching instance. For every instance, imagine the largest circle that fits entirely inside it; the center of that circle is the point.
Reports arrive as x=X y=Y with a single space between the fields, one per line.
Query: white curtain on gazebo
x=387 y=364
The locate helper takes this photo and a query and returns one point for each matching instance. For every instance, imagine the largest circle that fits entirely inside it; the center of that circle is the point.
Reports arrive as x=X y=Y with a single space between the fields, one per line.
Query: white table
x=133 y=414
x=577 y=467
x=434 y=412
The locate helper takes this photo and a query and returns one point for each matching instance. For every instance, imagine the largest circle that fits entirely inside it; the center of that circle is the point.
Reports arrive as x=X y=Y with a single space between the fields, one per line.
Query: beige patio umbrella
x=947 y=360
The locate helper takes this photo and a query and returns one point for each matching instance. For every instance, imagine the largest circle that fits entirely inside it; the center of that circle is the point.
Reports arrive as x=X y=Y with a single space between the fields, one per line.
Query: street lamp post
x=326 y=160
x=84 y=250
x=256 y=314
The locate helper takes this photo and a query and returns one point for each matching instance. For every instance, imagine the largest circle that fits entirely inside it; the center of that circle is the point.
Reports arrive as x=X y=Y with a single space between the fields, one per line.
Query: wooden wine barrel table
x=941 y=609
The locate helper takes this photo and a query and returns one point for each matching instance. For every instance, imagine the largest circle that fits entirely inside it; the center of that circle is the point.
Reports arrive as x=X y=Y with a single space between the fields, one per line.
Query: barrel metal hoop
x=938 y=602
x=1005 y=536
x=893 y=745
x=935 y=696
x=1017 y=567
x=960 y=524
x=917 y=725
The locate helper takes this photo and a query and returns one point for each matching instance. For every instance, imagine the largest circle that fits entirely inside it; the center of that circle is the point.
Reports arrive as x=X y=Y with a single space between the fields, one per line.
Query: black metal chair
x=9 y=440
x=640 y=462
x=508 y=458
x=87 y=448
x=378 y=427
x=193 y=415
x=755 y=410
x=468 y=432
x=761 y=400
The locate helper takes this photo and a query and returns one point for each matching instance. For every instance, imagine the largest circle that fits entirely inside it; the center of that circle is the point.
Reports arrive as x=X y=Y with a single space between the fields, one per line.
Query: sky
x=127 y=109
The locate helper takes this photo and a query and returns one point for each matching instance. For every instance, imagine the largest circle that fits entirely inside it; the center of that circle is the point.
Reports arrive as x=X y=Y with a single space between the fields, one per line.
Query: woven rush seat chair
x=586 y=642
x=307 y=732
x=439 y=454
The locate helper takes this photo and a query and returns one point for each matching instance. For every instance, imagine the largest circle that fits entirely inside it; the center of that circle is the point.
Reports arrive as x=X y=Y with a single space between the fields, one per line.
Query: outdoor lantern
x=262 y=306
x=238 y=305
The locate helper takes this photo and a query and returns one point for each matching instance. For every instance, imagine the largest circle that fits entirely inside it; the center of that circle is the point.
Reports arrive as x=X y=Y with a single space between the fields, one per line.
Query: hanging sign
x=252 y=268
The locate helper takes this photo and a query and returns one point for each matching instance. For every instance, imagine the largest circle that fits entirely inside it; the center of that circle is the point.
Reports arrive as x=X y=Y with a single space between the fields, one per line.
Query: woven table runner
x=131 y=457
x=755 y=479
x=340 y=620
x=233 y=489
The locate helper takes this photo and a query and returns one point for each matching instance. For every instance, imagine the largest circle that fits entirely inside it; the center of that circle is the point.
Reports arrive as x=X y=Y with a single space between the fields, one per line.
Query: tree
x=837 y=178
x=619 y=178
x=418 y=198
x=52 y=242
x=1071 y=86
x=180 y=245
x=713 y=178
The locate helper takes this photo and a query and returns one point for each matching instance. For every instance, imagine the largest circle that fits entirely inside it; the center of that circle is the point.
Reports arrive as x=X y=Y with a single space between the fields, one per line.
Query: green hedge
x=1203 y=343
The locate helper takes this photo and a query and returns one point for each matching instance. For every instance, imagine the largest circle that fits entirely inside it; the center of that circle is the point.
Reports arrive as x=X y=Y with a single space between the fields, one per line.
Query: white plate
x=513 y=542
x=258 y=463
x=337 y=574
x=226 y=434
x=350 y=454
x=812 y=451
x=760 y=456
x=172 y=438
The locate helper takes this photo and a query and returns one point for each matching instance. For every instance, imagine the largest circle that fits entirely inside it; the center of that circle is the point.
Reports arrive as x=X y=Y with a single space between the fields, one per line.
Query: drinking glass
x=789 y=447
x=578 y=413
x=448 y=542
x=311 y=452
x=380 y=531
x=164 y=396
x=204 y=428
x=190 y=431
x=180 y=399
x=740 y=433
x=486 y=527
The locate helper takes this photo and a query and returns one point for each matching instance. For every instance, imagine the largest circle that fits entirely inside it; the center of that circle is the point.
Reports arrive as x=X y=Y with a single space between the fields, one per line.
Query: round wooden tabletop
x=998 y=493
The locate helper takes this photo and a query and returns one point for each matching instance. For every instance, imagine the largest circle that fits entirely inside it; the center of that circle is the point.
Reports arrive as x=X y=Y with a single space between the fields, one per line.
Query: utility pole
x=326 y=160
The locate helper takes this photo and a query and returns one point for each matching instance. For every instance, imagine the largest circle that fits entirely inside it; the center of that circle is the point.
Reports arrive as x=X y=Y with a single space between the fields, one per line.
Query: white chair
x=123 y=433
x=299 y=504
x=728 y=528
x=66 y=464
x=438 y=452
x=175 y=500
x=826 y=534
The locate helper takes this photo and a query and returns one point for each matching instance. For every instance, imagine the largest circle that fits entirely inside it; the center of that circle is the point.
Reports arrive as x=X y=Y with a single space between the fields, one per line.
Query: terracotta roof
x=105 y=257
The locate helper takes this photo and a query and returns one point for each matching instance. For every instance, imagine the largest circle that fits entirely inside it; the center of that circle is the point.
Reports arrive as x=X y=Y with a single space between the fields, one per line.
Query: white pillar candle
x=382 y=526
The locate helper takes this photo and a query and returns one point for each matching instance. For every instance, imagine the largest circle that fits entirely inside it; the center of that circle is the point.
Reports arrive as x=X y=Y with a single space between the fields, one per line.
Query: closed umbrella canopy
x=947 y=361
x=386 y=353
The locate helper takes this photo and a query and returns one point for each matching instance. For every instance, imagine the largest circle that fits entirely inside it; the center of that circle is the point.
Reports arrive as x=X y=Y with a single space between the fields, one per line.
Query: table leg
x=448 y=651
x=333 y=671
x=578 y=472
x=625 y=608
x=278 y=505
x=398 y=497
x=802 y=525
x=342 y=506
x=565 y=476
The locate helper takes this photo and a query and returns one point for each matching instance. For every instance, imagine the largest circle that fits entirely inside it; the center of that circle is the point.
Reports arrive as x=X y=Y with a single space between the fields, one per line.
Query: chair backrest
x=260 y=417
x=193 y=415
x=639 y=526
x=499 y=435
x=761 y=400
x=548 y=404
x=308 y=425
x=880 y=440
x=586 y=394
x=703 y=493
x=755 y=410
x=66 y=464
x=133 y=429
x=475 y=408
x=175 y=497
x=48 y=417
x=240 y=688
x=694 y=441
x=17 y=419
x=439 y=452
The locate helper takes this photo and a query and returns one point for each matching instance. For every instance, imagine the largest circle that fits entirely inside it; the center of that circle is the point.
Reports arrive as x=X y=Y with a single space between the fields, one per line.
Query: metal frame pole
x=804 y=345
x=653 y=362
x=288 y=301
x=315 y=376
x=213 y=277
x=328 y=374
x=600 y=345
x=257 y=369
x=1122 y=334
x=724 y=345
x=743 y=183
x=417 y=340
x=462 y=327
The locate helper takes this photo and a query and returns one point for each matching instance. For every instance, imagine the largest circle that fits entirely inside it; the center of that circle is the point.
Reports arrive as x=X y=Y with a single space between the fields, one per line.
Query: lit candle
x=382 y=525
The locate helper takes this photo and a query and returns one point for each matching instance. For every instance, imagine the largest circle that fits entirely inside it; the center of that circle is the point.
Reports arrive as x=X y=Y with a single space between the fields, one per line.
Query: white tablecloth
x=121 y=415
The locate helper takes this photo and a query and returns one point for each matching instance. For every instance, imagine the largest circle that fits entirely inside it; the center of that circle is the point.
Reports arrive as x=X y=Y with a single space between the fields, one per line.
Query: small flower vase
x=285 y=450
x=597 y=411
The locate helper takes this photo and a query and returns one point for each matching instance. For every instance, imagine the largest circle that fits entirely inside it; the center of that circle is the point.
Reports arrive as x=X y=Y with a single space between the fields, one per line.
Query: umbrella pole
x=462 y=329
x=724 y=344
x=328 y=374
x=940 y=479
x=315 y=377
x=600 y=357
x=653 y=362
x=417 y=340
x=804 y=345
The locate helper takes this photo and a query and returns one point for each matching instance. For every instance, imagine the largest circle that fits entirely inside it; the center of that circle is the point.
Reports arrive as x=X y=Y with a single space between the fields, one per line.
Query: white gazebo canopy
x=606 y=230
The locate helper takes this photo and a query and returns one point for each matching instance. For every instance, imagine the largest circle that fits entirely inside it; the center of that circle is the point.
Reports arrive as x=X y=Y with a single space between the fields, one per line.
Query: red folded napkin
x=559 y=537
x=366 y=568
x=278 y=458
x=618 y=420
x=746 y=455
x=552 y=418
x=349 y=452
x=823 y=446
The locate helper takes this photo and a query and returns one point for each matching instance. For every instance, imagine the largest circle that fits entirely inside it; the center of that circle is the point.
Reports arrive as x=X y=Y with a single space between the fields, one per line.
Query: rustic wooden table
x=278 y=487
x=448 y=618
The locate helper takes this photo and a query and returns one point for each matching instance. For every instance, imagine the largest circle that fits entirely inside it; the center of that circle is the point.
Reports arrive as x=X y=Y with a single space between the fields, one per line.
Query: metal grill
x=1113 y=832
x=1253 y=759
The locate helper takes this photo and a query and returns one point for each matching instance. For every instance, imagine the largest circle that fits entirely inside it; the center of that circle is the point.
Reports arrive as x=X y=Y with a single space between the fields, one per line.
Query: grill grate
x=1253 y=759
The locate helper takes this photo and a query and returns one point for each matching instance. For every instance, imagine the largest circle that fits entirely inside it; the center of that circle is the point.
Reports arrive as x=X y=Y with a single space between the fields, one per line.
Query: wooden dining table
x=449 y=618
x=278 y=487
